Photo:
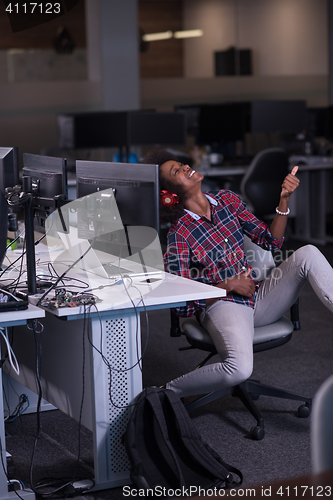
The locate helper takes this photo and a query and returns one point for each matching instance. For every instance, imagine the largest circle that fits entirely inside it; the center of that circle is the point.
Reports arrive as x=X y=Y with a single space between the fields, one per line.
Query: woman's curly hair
x=173 y=213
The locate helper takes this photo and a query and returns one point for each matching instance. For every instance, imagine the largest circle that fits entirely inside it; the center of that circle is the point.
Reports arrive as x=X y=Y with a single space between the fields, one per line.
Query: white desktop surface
x=167 y=291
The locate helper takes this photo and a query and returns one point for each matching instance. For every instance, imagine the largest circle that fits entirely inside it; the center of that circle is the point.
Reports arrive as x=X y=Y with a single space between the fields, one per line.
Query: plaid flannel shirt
x=212 y=251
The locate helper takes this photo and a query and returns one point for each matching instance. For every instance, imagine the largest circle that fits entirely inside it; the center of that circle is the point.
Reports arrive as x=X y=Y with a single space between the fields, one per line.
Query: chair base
x=247 y=392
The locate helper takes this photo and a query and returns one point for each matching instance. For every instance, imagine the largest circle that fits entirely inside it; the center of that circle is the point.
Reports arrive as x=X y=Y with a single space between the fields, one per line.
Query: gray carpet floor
x=300 y=366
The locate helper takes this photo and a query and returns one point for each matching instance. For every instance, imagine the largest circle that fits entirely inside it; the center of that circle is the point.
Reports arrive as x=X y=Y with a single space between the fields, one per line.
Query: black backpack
x=166 y=451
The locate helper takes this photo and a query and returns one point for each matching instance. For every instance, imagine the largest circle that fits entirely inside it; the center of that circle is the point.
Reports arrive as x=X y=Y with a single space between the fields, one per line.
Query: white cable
x=16 y=269
x=11 y=355
x=8 y=293
x=12 y=481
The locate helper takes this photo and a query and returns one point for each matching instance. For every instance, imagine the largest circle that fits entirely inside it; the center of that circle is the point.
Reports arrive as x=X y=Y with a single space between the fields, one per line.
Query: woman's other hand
x=241 y=284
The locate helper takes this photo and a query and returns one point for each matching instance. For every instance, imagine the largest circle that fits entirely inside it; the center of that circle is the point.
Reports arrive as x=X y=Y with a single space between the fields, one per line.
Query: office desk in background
x=223 y=177
x=226 y=171
x=9 y=319
x=111 y=382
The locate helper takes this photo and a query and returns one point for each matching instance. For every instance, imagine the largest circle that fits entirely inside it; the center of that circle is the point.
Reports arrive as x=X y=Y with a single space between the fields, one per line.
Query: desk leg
x=4 y=493
x=119 y=338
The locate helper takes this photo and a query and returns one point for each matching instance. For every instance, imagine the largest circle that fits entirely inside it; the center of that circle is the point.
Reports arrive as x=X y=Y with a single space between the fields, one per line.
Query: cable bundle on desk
x=19 y=258
x=64 y=298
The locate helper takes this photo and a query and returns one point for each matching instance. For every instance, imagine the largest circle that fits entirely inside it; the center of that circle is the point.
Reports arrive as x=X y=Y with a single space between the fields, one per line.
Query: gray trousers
x=231 y=326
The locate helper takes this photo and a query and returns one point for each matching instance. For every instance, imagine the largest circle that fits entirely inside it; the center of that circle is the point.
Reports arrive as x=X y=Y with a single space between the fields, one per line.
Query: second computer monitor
x=285 y=117
x=49 y=180
x=9 y=169
x=136 y=188
x=8 y=178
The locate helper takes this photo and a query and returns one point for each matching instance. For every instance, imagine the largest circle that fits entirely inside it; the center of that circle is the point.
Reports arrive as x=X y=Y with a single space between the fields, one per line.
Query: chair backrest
x=262 y=263
x=322 y=428
x=260 y=260
x=261 y=185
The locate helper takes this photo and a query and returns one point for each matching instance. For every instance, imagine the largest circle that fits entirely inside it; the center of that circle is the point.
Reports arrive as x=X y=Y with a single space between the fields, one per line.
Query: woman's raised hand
x=290 y=183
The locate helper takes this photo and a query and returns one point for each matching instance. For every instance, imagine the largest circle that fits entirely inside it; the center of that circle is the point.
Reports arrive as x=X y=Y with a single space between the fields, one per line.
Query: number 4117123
x=305 y=491
x=34 y=8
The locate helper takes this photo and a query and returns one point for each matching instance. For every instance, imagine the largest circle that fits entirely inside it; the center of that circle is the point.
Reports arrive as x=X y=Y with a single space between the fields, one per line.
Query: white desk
x=312 y=197
x=9 y=319
x=116 y=332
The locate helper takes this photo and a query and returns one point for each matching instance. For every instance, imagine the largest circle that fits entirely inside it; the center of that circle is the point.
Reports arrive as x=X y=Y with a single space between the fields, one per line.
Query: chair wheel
x=257 y=433
x=304 y=411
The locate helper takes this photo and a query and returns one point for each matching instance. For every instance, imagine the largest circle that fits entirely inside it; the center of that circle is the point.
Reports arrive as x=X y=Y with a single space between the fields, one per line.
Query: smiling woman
x=190 y=180
x=169 y=212
x=206 y=243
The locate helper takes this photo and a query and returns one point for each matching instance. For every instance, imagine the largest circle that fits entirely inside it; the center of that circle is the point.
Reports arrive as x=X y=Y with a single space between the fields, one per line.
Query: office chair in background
x=265 y=337
x=322 y=428
x=261 y=185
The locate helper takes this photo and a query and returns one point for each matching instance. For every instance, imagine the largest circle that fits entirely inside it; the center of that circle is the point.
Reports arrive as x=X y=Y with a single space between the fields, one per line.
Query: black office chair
x=321 y=428
x=261 y=185
x=265 y=338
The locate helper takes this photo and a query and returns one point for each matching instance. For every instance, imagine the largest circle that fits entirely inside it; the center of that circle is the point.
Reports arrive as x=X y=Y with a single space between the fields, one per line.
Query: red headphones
x=168 y=199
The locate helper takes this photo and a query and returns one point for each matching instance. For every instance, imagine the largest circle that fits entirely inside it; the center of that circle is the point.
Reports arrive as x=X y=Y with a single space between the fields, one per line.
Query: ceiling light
x=187 y=33
x=152 y=37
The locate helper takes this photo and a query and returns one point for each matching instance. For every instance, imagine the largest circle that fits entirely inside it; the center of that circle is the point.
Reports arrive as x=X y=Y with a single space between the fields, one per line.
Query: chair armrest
x=294 y=315
x=175 y=330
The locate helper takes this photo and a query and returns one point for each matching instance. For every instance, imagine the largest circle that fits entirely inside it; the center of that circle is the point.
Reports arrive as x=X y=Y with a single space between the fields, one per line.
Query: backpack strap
x=156 y=406
x=197 y=447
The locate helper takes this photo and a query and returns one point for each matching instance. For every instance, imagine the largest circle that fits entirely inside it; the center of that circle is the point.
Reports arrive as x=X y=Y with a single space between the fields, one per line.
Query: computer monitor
x=136 y=191
x=9 y=176
x=221 y=123
x=229 y=122
x=329 y=123
x=9 y=169
x=44 y=184
x=136 y=188
x=191 y=113
x=278 y=116
x=120 y=128
x=49 y=182
x=3 y=226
